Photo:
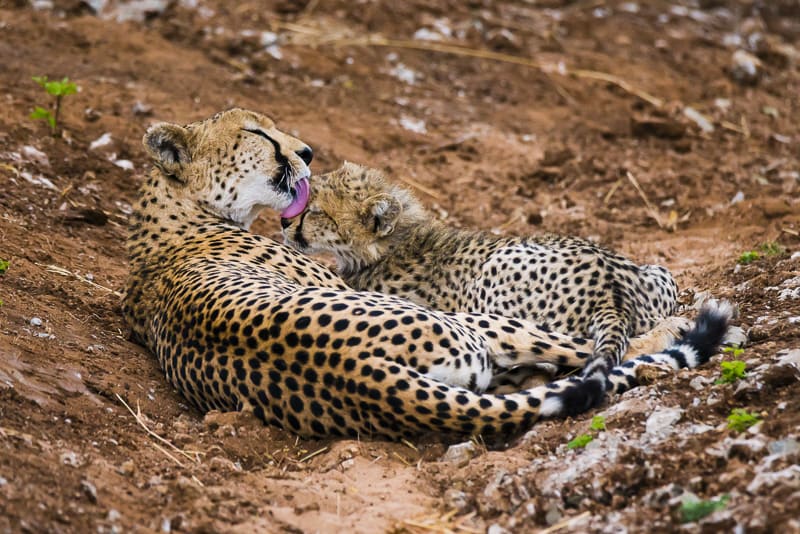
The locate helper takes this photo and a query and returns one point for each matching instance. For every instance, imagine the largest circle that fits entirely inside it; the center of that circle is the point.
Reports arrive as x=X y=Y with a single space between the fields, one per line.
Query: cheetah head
x=235 y=163
x=355 y=214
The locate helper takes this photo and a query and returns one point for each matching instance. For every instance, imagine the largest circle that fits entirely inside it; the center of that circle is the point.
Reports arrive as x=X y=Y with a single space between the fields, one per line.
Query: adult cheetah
x=384 y=240
x=238 y=321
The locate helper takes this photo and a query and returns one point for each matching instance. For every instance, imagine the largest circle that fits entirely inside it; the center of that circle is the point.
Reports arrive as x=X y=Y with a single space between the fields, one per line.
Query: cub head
x=355 y=214
x=235 y=163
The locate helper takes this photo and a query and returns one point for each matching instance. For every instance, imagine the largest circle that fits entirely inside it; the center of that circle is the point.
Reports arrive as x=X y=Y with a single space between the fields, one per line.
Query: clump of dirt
x=693 y=101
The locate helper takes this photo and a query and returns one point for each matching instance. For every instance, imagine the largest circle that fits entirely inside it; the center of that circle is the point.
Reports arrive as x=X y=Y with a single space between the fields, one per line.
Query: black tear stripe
x=282 y=177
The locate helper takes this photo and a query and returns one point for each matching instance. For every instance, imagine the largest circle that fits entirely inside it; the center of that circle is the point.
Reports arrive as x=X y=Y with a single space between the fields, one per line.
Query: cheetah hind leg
x=659 y=338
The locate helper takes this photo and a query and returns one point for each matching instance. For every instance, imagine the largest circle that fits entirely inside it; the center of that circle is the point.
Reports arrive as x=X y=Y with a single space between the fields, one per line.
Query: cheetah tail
x=695 y=347
x=424 y=404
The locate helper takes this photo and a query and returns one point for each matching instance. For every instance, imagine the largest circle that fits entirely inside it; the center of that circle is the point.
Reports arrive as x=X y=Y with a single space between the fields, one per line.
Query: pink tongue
x=300 y=200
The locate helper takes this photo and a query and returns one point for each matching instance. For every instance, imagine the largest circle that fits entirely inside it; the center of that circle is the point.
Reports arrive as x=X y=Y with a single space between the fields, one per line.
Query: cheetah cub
x=384 y=240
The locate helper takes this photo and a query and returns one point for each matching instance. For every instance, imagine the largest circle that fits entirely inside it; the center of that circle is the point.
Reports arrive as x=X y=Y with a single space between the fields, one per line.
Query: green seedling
x=731 y=372
x=748 y=257
x=4 y=264
x=58 y=89
x=740 y=420
x=598 y=423
x=736 y=351
x=696 y=510
x=580 y=442
x=771 y=248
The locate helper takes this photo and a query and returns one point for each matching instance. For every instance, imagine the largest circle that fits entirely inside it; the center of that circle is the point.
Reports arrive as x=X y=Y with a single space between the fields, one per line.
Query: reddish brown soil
x=507 y=147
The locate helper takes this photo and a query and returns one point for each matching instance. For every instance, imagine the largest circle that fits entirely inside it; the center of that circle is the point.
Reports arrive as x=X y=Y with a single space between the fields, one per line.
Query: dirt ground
x=696 y=101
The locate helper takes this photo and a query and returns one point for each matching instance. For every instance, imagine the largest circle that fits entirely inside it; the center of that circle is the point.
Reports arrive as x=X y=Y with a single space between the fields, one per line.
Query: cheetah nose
x=306 y=154
x=285 y=223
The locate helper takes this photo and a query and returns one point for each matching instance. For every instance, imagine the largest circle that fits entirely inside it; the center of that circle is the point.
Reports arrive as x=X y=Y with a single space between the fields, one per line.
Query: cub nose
x=285 y=223
x=306 y=154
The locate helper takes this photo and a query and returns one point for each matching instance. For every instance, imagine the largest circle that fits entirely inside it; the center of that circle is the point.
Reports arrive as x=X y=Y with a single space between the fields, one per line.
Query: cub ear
x=380 y=214
x=168 y=145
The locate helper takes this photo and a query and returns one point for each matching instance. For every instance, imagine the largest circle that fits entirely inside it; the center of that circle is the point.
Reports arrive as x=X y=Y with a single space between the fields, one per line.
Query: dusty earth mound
x=669 y=130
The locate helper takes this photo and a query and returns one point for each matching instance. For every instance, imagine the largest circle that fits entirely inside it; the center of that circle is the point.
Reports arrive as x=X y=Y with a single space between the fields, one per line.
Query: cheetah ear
x=168 y=145
x=380 y=214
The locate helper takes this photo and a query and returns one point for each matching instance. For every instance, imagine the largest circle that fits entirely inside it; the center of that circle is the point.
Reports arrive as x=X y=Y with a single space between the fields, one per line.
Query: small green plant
x=4 y=264
x=58 y=89
x=736 y=351
x=580 y=441
x=748 y=257
x=696 y=510
x=740 y=420
x=772 y=248
x=732 y=370
x=598 y=423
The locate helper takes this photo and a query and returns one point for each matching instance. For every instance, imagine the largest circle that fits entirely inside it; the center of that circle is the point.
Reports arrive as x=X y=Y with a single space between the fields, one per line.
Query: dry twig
x=650 y=208
x=564 y=523
x=457 y=50
x=64 y=272
x=137 y=415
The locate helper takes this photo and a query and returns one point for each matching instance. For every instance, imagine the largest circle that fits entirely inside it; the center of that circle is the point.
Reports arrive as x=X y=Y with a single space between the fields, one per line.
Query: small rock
x=789 y=357
x=553 y=515
x=90 y=490
x=502 y=39
x=699 y=383
x=91 y=115
x=747 y=448
x=745 y=67
x=35 y=321
x=123 y=164
x=102 y=141
x=790 y=476
x=113 y=515
x=699 y=119
x=456 y=499
x=36 y=155
x=70 y=458
x=784 y=447
x=127 y=468
x=142 y=110
x=662 y=421
x=460 y=453
x=223 y=465
x=494 y=528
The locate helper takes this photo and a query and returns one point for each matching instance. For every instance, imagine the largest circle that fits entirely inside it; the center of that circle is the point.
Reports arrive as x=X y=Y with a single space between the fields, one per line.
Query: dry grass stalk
x=457 y=50
x=64 y=272
x=565 y=523
x=137 y=415
x=650 y=208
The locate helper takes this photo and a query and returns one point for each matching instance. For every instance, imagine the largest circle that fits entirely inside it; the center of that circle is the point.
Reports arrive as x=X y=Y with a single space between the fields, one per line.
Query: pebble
x=494 y=528
x=100 y=142
x=784 y=446
x=699 y=119
x=36 y=155
x=142 y=109
x=113 y=515
x=456 y=499
x=90 y=490
x=745 y=67
x=662 y=421
x=35 y=321
x=460 y=453
x=790 y=475
x=70 y=458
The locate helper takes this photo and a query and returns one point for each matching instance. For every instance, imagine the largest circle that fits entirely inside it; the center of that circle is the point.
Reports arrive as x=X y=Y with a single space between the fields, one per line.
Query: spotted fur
x=384 y=240
x=239 y=321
